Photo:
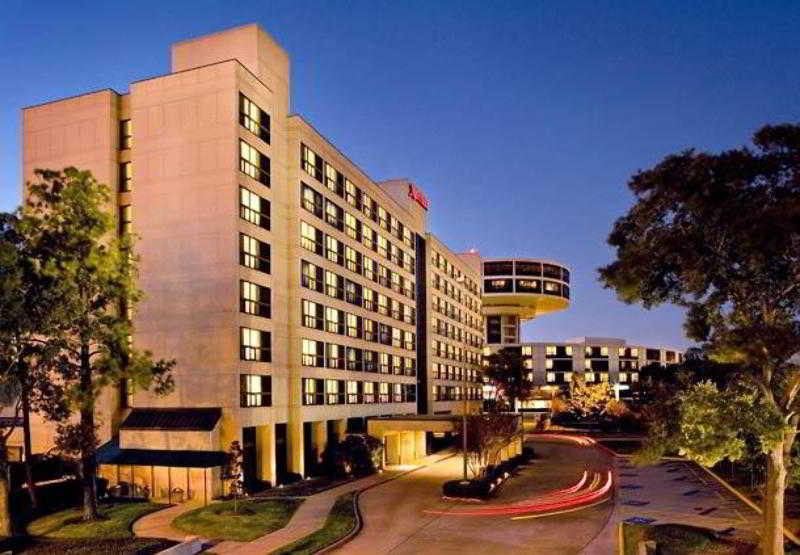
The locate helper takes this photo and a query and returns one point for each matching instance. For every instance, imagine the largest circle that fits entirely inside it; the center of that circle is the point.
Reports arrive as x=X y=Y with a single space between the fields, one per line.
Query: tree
x=70 y=232
x=719 y=234
x=29 y=310
x=487 y=434
x=589 y=400
x=506 y=370
x=235 y=472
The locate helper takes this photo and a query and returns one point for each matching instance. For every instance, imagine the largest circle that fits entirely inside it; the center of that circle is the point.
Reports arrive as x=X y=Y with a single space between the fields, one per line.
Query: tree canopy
x=719 y=234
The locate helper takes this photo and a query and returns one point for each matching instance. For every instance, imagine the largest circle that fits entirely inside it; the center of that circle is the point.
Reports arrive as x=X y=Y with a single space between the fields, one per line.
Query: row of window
x=324 y=281
x=525 y=268
x=565 y=365
x=335 y=181
x=445 y=329
x=332 y=320
x=327 y=246
x=449 y=269
x=598 y=351
x=450 y=372
x=441 y=284
x=449 y=351
x=526 y=286
x=352 y=392
x=319 y=354
x=454 y=393
x=454 y=312
x=334 y=215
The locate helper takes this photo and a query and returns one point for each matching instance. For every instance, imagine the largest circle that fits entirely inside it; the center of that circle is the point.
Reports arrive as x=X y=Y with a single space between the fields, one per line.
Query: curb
x=747 y=501
x=357 y=509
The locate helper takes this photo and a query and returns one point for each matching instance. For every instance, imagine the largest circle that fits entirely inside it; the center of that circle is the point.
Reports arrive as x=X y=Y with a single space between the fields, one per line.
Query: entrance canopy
x=382 y=425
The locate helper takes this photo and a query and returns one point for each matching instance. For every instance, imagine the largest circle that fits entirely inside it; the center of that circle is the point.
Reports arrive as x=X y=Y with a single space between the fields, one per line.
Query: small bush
x=527 y=454
x=473 y=489
x=358 y=455
x=291 y=478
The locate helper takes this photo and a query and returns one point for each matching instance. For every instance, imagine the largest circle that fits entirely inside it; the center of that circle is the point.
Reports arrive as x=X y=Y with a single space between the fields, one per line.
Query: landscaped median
x=341 y=521
x=246 y=521
x=65 y=532
x=489 y=483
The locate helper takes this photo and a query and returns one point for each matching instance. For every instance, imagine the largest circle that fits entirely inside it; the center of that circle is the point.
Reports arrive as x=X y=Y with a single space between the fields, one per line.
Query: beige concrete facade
x=455 y=329
x=221 y=186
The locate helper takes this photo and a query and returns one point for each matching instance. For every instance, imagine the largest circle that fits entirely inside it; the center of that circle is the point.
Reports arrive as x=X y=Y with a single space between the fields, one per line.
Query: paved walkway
x=396 y=520
x=159 y=523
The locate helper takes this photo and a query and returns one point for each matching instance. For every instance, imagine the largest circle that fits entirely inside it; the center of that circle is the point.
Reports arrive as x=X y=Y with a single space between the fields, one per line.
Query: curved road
x=395 y=520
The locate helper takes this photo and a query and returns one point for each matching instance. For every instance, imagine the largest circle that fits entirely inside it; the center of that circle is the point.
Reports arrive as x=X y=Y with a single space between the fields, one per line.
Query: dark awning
x=177 y=419
x=110 y=453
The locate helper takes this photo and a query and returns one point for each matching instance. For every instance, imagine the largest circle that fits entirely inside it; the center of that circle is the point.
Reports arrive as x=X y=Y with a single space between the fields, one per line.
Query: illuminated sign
x=417 y=195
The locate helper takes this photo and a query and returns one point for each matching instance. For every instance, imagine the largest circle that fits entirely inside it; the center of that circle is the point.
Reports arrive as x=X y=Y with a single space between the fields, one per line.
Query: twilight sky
x=522 y=121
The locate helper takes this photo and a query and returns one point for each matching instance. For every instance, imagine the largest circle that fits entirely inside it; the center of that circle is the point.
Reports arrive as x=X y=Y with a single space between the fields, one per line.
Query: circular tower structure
x=514 y=290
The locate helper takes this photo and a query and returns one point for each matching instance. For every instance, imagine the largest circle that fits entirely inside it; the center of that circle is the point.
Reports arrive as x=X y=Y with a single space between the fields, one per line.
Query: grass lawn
x=341 y=520
x=64 y=533
x=116 y=521
x=304 y=488
x=678 y=539
x=255 y=517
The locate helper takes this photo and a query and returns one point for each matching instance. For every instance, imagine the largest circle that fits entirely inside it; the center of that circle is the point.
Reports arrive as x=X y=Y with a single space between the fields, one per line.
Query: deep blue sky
x=522 y=121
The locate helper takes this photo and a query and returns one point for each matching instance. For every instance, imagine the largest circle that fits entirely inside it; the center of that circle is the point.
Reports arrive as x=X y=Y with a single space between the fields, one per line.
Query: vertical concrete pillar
x=296 y=459
x=420 y=447
x=265 y=453
x=320 y=437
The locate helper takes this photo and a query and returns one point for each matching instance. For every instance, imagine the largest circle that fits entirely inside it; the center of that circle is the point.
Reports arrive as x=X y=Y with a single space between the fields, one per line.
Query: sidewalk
x=159 y=523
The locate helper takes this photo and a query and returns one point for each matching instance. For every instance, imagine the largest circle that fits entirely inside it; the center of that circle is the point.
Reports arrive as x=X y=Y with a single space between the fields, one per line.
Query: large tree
x=69 y=226
x=29 y=309
x=506 y=370
x=719 y=234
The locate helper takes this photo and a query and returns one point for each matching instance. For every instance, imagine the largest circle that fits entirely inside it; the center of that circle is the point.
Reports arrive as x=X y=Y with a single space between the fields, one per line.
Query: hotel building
x=517 y=290
x=301 y=299
x=298 y=296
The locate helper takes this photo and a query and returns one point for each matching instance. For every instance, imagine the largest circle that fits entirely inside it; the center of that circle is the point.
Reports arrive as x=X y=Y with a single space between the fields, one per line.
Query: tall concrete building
x=299 y=296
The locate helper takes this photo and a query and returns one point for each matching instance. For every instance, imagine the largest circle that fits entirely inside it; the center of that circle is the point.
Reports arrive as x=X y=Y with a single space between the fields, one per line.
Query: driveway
x=396 y=521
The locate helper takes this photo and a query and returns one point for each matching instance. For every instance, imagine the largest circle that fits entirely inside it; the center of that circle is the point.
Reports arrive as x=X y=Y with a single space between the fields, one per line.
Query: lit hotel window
x=313 y=391
x=335 y=391
x=369 y=392
x=255 y=345
x=125 y=134
x=550 y=350
x=311 y=238
x=548 y=363
x=125 y=219
x=569 y=350
x=312 y=163
x=253 y=118
x=623 y=377
x=604 y=351
x=253 y=163
x=353 y=392
x=255 y=299
x=253 y=253
x=256 y=391
x=253 y=208
x=125 y=177
x=551 y=377
x=313 y=353
x=589 y=376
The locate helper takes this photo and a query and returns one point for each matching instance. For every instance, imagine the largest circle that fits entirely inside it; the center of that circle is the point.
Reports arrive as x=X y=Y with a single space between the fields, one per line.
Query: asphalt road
x=396 y=521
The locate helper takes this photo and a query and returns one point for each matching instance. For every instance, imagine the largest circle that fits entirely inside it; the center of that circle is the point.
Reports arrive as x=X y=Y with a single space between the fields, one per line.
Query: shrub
x=358 y=455
x=472 y=489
